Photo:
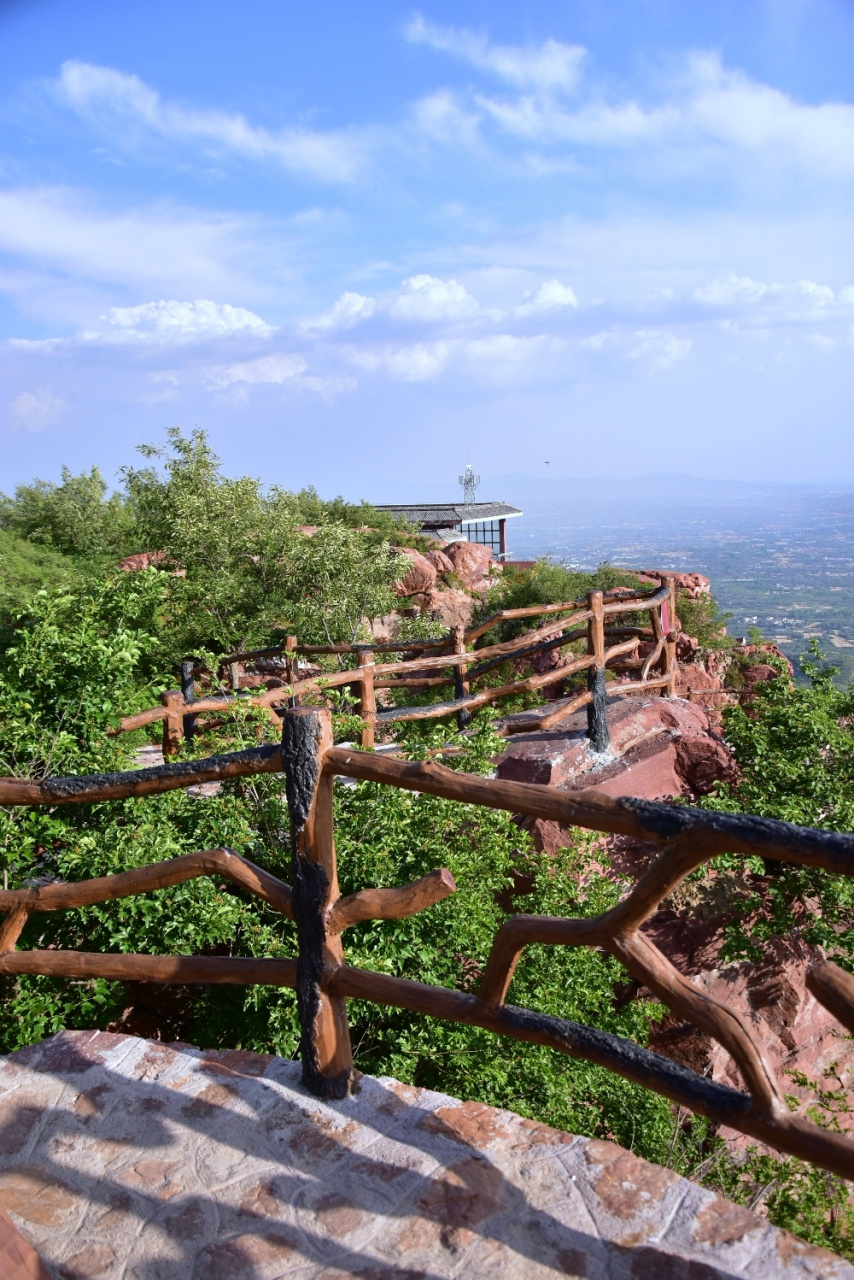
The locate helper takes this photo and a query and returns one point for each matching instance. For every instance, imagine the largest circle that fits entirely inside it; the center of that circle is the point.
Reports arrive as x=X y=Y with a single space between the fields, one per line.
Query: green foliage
x=245 y=567
x=88 y=647
x=26 y=568
x=545 y=583
x=79 y=659
x=702 y=618
x=75 y=518
x=795 y=751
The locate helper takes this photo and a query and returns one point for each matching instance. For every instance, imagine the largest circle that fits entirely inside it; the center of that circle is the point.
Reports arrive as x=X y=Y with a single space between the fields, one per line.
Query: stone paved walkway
x=124 y=1158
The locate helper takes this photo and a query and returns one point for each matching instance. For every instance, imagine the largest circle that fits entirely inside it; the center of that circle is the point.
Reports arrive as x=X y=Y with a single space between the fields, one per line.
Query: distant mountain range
x=639 y=493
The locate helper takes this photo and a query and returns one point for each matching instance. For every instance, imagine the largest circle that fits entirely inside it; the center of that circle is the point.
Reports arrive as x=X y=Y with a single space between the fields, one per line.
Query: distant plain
x=780 y=558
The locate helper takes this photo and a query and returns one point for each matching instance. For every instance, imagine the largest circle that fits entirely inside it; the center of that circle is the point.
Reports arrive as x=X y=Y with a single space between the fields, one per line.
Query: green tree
x=76 y=517
x=241 y=564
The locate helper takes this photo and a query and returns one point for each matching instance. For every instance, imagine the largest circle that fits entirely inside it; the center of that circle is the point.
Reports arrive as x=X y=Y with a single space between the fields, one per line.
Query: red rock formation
x=471 y=563
x=420 y=578
x=798 y=1036
x=141 y=560
x=660 y=748
x=450 y=607
x=699 y=686
x=439 y=561
x=693 y=585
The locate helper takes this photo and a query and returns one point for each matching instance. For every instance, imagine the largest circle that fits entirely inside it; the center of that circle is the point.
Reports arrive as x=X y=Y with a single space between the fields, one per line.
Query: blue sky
x=362 y=245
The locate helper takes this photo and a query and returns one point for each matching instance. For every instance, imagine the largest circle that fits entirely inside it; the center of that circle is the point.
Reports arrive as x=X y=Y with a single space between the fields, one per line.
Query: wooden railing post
x=291 y=669
x=367 y=697
x=188 y=691
x=327 y=1059
x=671 y=665
x=597 y=708
x=173 y=701
x=461 y=685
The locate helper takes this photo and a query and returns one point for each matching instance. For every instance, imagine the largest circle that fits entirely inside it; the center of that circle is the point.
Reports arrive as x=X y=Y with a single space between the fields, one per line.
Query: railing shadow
x=279 y=1181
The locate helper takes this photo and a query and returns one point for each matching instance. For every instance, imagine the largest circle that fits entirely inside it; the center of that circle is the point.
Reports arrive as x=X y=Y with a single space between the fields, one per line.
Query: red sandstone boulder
x=686 y=646
x=421 y=576
x=440 y=562
x=660 y=748
x=451 y=607
x=693 y=585
x=767 y=649
x=697 y=685
x=754 y=675
x=794 y=1031
x=701 y=761
x=471 y=563
x=141 y=560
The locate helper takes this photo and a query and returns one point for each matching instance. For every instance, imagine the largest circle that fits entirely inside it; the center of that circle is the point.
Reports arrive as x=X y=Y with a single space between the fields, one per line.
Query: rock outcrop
x=440 y=562
x=660 y=748
x=451 y=607
x=472 y=564
x=420 y=577
x=693 y=585
x=141 y=560
x=811 y=1055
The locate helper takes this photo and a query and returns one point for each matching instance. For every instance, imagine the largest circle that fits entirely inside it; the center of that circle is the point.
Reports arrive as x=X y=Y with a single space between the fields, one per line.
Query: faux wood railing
x=608 y=648
x=324 y=981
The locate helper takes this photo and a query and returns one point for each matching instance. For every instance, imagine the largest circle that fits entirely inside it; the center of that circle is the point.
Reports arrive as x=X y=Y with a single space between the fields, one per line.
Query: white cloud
x=707 y=115
x=282 y=369
x=552 y=65
x=594 y=125
x=346 y=311
x=172 y=321
x=821 y=342
x=819 y=295
x=495 y=357
x=731 y=289
x=419 y=298
x=598 y=341
x=799 y=300
x=276 y=369
x=727 y=106
x=441 y=118
x=551 y=295
x=659 y=349
x=148 y=250
x=415 y=363
x=35 y=410
x=425 y=297
x=111 y=98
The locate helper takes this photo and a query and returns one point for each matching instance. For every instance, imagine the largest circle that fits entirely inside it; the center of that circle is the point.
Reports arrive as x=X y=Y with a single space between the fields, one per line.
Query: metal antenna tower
x=469 y=481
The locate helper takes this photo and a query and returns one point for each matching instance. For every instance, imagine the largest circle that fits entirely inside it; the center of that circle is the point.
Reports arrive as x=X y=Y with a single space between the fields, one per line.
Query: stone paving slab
x=124 y=1158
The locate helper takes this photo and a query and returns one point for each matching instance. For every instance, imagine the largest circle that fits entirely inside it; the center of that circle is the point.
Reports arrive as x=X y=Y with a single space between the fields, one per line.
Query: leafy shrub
x=546 y=583
x=26 y=568
x=75 y=518
x=795 y=751
x=702 y=618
